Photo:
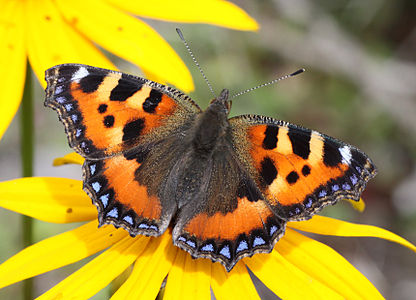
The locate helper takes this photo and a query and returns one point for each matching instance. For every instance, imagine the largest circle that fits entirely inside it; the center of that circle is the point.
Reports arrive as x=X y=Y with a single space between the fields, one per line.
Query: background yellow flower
x=48 y=33
x=298 y=268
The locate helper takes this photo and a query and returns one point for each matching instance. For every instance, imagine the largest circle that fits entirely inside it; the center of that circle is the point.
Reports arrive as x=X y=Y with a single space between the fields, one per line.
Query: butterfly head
x=222 y=103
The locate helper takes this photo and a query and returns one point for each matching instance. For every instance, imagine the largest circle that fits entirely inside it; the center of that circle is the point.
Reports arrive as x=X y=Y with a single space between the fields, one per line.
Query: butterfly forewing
x=107 y=112
x=298 y=170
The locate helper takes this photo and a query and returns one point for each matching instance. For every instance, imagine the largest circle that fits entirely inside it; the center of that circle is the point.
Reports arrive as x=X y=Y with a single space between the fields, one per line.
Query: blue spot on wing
x=128 y=219
x=92 y=169
x=354 y=179
x=191 y=243
x=104 y=200
x=143 y=226
x=96 y=186
x=69 y=106
x=258 y=241
x=225 y=251
x=243 y=245
x=308 y=203
x=273 y=229
x=59 y=89
x=74 y=118
x=60 y=99
x=153 y=227
x=346 y=186
x=113 y=213
x=208 y=248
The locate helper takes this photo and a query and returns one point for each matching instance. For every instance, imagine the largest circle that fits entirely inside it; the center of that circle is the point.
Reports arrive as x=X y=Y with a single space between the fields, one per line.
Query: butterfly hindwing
x=129 y=189
x=299 y=170
x=107 y=112
x=228 y=219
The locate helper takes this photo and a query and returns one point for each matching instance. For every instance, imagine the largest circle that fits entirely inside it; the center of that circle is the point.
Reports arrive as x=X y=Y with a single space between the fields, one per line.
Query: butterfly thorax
x=212 y=125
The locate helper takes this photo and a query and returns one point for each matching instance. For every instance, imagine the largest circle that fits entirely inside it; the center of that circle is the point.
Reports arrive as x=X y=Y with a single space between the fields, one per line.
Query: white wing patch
x=81 y=73
x=346 y=155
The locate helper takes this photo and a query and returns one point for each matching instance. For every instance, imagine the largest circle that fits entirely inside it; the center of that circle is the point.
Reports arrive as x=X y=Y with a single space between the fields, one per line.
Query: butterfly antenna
x=267 y=83
x=194 y=59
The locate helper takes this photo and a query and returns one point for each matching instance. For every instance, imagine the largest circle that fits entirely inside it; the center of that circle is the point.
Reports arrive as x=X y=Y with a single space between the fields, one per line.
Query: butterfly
x=226 y=186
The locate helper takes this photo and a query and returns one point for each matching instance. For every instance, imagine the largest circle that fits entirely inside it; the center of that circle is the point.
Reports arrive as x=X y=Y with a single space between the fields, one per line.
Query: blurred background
x=360 y=87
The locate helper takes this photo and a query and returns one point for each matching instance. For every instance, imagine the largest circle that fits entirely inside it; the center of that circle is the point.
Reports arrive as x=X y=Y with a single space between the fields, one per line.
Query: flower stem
x=26 y=152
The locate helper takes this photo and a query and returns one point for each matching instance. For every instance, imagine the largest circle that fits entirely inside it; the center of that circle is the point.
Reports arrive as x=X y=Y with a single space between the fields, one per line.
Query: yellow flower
x=47 y=33
x=298 y=267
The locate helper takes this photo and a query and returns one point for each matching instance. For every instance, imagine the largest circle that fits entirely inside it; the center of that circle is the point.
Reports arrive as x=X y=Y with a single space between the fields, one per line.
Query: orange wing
x=124 y=194
x=299 y=170
x=107 y=112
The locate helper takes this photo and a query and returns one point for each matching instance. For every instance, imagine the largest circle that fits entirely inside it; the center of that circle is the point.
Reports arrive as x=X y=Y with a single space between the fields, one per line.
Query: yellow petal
x=357 y=205
x=286 y=280
x=12 y=60
x=99 y=272
x=175 y=279
x=324 y=264
x=236 y=284
x=52 y=41
x=56 y=200
x=329 y=226
x=129 y=38
x=150 y=270
x=70 y=158
x=189 y=278
x=58 y=251
x=215 y=12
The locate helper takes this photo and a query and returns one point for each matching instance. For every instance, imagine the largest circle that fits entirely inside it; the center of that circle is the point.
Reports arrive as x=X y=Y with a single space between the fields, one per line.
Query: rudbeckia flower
x=47 y=33
x=299 y=267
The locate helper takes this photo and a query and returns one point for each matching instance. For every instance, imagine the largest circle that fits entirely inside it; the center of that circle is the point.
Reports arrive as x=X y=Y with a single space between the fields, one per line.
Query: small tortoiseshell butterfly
x=227 y=187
